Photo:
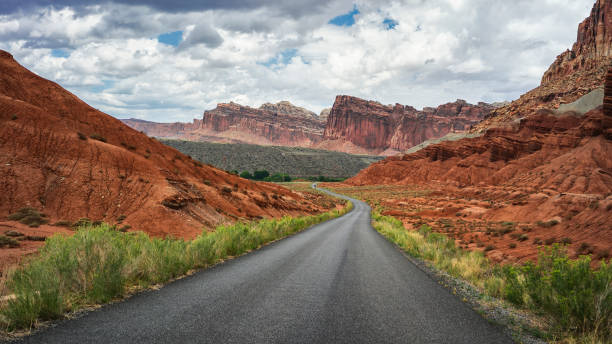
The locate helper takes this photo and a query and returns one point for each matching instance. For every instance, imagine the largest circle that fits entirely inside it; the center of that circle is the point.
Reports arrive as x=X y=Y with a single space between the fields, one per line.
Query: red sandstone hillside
x=353 y=125
x=572 y=75
x=550 y=168
x=49 y=160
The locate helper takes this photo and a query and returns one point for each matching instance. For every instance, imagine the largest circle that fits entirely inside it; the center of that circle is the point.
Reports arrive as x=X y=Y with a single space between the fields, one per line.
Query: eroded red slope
x=46 y=165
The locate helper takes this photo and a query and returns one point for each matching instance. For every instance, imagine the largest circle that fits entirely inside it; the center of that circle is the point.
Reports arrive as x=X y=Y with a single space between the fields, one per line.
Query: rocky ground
x=490 y=219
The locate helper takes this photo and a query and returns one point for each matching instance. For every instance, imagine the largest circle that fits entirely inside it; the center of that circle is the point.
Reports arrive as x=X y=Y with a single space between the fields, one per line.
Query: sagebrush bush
x=29 y=216
x=97 y=263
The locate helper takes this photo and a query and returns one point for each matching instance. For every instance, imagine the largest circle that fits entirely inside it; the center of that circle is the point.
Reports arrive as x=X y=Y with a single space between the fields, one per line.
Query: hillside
x=71 y=161
x=294 y=161
x=545 y=170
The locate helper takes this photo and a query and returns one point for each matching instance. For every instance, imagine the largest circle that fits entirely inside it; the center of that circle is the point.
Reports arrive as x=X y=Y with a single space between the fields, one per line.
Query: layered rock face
x=352 y=125
x=286 y=108
x=71 y=161
x=593 y=45
x=378 y=128
x=236 y=122
x=279 y=124
x=573 y=74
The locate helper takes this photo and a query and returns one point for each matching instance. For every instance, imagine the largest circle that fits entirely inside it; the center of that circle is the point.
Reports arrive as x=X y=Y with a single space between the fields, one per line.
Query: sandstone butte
x=51 y=160
x=353 y=125
x=533 y=163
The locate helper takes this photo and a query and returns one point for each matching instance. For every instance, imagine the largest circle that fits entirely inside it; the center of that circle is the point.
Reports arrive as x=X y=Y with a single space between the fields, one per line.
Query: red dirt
x=552 y=168
x=45 y=165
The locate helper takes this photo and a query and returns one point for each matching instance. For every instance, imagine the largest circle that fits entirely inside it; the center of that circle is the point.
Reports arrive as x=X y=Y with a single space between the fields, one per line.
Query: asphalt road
x=337 y=282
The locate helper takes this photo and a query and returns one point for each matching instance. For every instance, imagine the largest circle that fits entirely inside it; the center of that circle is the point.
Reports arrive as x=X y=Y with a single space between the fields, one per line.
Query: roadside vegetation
x=576 y=298
x=100 y=263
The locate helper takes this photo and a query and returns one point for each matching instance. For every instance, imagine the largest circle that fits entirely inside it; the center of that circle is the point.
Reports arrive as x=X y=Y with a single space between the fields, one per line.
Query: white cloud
x=439 y=50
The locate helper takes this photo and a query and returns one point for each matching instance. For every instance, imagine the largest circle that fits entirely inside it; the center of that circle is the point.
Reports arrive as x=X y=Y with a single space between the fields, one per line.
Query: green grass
x=99 y=263
x=576 y=297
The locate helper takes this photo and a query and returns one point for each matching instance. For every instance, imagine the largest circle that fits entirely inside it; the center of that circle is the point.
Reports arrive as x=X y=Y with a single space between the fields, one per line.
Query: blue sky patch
x=171 y=38
x=281 y=59
x=345 y=19
x=59 y=53
x=100 y=88
x=389 y=24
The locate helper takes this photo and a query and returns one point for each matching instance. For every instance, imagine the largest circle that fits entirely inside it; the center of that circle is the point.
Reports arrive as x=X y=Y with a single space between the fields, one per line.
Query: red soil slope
x=46 y=165
x=553 y=176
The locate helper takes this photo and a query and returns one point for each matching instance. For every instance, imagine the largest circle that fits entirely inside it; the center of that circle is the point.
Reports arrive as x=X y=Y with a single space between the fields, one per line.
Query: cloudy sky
x=170 y=60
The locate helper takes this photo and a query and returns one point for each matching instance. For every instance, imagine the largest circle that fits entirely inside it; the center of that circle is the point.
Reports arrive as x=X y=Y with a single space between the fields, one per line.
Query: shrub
x=29 y=216
x=566 y=241
x=537 y=241
x=577 y=296
x=548 y=224
x=512 y=245
x=63 y=223
x=523 y=237
x=82 y=136
x=489 y=248
x=246 y=175
x=120 y=218
x=13 y=117
x=260 y=174
x=98 y=137
x=6 y=241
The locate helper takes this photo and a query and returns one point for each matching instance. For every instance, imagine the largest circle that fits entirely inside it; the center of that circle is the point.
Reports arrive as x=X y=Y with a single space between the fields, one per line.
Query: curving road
x=337 y=282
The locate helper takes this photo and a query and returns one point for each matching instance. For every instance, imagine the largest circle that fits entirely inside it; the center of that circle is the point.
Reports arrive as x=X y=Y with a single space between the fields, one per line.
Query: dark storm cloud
x=290 y=7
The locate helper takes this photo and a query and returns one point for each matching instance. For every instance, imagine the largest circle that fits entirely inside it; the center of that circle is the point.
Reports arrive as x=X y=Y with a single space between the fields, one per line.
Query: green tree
x=260 y=174
x=246 y=175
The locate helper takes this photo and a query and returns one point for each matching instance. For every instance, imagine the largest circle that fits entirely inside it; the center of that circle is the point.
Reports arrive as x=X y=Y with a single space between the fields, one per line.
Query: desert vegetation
x=293 y=161
x=100 y=263
x=576 y=298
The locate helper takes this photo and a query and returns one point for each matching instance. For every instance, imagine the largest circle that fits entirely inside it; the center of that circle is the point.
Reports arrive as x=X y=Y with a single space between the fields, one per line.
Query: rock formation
x=279 y=124
x=286 y=108
x=324 y=114
x=385 y=129
x=353 y=125
x=70 y=161
x=573 y=74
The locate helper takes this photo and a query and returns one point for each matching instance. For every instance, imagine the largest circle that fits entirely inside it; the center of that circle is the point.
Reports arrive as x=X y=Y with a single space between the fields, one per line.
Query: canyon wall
x=390 y=129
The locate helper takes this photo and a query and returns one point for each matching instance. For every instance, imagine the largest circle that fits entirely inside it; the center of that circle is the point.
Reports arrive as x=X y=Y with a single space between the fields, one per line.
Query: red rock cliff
x=273 y=124
x=377 y=127
x=572 y=75
x=592 y=48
